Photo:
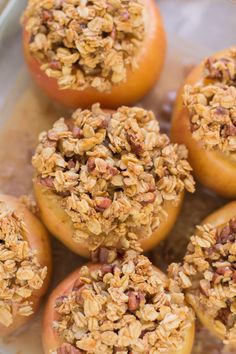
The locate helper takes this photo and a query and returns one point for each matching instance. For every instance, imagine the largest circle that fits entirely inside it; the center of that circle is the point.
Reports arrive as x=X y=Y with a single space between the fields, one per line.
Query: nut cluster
x=20 y=272
x=114 y=172
x=122 y=307
x=85 y=43
x=212 y=105
x=208 y=274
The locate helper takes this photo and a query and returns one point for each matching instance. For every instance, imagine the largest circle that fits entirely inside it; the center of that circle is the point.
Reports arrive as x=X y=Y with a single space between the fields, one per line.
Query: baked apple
x=109 y=179
x=82 y=52
x=116 y=308
x=205 y=121
x=25 y=264
x=208 y=273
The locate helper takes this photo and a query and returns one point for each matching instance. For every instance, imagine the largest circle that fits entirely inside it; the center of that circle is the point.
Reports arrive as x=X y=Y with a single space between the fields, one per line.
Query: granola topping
x=129 y=307
x=208 y=275
x=114 y=177
x=20 y=272
x=85 y=43
x=212 y=105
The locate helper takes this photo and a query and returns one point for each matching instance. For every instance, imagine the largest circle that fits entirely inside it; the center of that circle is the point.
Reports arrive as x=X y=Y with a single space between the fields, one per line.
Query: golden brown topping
x=208 y=274
x=20 y=272
x=129 y=308
x=115 y=177
x=85 y=43
x=212 y=105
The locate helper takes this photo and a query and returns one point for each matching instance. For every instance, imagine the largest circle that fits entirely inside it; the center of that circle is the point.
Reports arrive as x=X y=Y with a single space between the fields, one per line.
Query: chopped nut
x=102 y=203
x=133 y=302
x=77 y=133
x=225 y=235
x=47 y=182
x=67 y=348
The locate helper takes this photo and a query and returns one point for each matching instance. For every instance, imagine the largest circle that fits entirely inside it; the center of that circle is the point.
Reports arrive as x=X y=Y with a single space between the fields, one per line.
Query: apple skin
x=213 y=169
x=139 y=81
x=38 y=239
x=60 y=225
x=51 y=340
x=217 y=219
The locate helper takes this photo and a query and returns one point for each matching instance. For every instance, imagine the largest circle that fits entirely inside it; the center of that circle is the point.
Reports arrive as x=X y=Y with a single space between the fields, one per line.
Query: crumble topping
x=85 y=43
x=124 y=307
x=20 y=272
x=208 y=275
x=113 y=171
x=212 y=105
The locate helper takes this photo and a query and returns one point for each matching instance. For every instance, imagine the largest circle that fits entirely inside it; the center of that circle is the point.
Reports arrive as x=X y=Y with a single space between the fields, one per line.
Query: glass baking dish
x=195 y=28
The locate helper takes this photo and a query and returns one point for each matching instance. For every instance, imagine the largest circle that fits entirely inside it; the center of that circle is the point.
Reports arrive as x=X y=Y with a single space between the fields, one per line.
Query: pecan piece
x=225 y=235
x=91 y=164
x=47 y=15
x=224 y=315
x=55 y=65
x=67 y=348
x=134 y=300
x=225 y=271
x=104 y=123
x=112 y=170
x=135 y=144
x=71 y=164
x=103 y=255
x=217 y=278
x=107 y=268
x=77 y=132
x=229 y=130
x=148 y=198
x=47 y=182
x=221 y=110
x=102 y=203
x=204 y=287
